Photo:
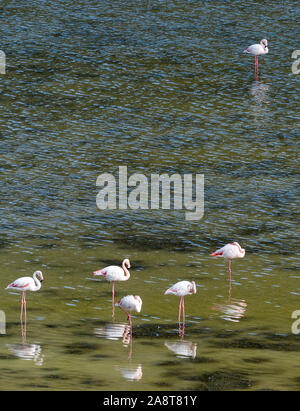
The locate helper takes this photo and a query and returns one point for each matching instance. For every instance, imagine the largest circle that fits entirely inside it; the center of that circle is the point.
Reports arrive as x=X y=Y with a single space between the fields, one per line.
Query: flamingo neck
x=37 y=282
x=125 y=263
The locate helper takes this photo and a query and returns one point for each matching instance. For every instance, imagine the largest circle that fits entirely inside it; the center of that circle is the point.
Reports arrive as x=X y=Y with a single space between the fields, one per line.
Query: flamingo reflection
x=131 y=372
x=27 y=351
x=233 y=310
x=112 y=331
x=116 y=332
x=182 y=348
x=259 y=92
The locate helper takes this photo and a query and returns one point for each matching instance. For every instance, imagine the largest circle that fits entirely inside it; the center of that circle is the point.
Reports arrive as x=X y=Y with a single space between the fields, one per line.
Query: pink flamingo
x=181 y=289
x=230 y=251
x=27 y=284
x=257 y=50
x=130 y=303
x=114 y=273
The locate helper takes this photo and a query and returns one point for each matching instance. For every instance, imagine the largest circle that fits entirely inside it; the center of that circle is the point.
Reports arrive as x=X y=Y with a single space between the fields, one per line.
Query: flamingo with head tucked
x=26 y=284
x=257 y=50
x=130 y=303
x=114 y=273
x=181 y=289
x=230 y=251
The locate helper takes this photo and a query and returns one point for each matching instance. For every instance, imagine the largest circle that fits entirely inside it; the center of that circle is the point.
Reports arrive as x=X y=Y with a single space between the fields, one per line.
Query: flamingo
x=114 y=273
x=230 y=251
x=181 y=289
x=257 y=50
x=130 y=303
x=27 y=284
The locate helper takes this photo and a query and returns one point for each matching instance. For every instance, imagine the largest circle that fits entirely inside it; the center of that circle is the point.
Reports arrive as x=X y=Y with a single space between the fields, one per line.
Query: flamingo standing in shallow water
x=114 y=273
x=230 y=251
x=181 y=289
x=257 y=50
x=130 y=303
x=27 y=284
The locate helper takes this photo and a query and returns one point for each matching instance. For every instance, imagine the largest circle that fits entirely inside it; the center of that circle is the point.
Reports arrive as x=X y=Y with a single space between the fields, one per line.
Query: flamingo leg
x=25 y=313
x=181 y=331
x=23 y=333
x=22 y=303
x=181 y=325
x=25 y=310
x=256 y=65
x=113 y=291
x=128 y=316
x=179 y=311
x=229 y=293
x=229 y=269
x=113 y=298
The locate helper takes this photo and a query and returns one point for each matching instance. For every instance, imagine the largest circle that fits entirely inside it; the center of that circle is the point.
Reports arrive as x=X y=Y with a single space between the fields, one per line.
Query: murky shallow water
x=159 y=86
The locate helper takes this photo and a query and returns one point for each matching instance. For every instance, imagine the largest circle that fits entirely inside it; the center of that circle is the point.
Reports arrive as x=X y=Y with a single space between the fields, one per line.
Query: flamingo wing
x=181 y=288
x=114 y=273
x=255 y=49
x=111 y=273
x=130 y=303
x=22 y=283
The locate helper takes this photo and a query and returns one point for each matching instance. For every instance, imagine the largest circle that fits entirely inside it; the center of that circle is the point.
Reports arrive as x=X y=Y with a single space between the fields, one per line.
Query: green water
x=161 y=87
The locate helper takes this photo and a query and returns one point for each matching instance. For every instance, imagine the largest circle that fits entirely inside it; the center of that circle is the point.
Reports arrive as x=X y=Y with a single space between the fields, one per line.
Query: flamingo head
x=126 y=262
x=241 y=250
x=264 y=42
x=193 y=288
x=138 y=306
x=39 y=274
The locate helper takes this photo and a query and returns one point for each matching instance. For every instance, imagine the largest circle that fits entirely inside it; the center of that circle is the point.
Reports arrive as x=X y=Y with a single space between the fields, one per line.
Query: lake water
x=159 y=87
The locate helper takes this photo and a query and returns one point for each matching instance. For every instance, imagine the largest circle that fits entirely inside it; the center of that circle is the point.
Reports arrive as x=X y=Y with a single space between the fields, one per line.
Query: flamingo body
x=112 y=273
x=24 y=284
x=130 y=303
x=233 y=250
x=258 y=49
x=182 y=288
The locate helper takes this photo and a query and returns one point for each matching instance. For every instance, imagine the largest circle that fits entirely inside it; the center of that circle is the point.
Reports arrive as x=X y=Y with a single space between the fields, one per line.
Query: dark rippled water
x=161 y=87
